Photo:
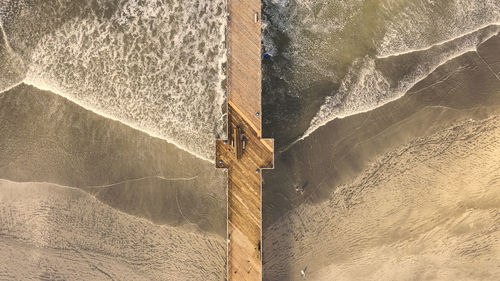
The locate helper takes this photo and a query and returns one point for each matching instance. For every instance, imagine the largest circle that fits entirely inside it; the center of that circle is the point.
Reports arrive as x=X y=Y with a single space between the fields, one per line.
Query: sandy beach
x=401 y=192
x=54 y=232
x=385 y=117
x=63 y=165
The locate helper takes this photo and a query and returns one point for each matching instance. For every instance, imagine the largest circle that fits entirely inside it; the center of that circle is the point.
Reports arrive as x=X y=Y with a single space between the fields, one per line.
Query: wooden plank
x=245 y=182
x=244 y=59
x=244 y=198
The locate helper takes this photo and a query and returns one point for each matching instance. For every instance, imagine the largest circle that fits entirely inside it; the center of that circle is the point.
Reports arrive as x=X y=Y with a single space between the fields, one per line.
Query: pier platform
x=245 y=153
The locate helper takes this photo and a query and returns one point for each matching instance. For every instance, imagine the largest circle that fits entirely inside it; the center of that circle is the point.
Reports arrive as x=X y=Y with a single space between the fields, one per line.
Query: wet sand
x=419 y=148
x=158 y=68
x=50 y=145
x=85 y=197
x=54 y=232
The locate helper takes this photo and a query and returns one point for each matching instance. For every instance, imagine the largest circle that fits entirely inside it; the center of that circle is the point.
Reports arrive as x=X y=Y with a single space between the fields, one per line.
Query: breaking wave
x=366 y=87
x=158 y=66
x=351 y=44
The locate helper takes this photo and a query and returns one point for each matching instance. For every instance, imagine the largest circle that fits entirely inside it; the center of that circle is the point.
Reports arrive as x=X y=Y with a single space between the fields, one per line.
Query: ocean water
x=386 y=114
x=158 y=66
x=332 y=59
x=109 y=111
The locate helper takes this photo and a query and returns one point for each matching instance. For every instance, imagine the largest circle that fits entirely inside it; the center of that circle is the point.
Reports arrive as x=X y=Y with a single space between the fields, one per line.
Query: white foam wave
x=4 y=36
x=155 y=66
x=335 y=41
x=366 y=88
x=438 y=43
x=417 y=25
x=45 y=86
x=10 y=87
x=12 y=66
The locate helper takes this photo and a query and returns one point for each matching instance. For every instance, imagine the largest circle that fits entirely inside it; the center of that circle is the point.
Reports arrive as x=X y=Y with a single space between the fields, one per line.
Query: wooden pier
x=245 y=153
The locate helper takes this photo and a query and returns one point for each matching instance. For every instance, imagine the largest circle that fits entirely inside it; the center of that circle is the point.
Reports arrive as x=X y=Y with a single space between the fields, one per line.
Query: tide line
x=439 y=43
x=204 y=235
x=4 y=35
x=45 y=87
x=313 y=128
x=139 y=179
x=11 y=87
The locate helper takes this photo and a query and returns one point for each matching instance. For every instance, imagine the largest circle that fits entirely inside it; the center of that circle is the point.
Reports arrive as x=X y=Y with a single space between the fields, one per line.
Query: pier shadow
x=287 y=111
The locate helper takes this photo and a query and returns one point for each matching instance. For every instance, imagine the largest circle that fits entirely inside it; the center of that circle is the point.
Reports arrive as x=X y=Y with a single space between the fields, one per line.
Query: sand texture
x=53 y=232
x=83 y=197
x=407 y=191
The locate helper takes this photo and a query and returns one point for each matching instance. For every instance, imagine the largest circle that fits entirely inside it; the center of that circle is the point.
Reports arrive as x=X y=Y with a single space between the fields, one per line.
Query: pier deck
x=244 y=196
x=244 y=60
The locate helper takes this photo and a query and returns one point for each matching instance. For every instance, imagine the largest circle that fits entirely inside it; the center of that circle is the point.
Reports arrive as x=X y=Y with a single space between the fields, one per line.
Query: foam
x=438 y=43
x=417 y=26
x=365 y=88
x=46 y=86
x=309 y=25
x=4 y=35
x=157 y=67
x=340 y=42
x=10 y=87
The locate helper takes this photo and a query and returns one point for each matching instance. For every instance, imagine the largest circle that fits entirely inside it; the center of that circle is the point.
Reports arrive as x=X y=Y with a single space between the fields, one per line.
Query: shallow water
x=386 y=114
x=340 y=58
x=109 y=112
x=158 y=66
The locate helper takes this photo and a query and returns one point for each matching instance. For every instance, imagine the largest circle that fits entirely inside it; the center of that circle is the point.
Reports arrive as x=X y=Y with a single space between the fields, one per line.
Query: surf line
x=11 y=87
x=8 y=47
x=45 y=87
x=315 y=124
x=439 y=43
x=4 y=35
x=139 y=179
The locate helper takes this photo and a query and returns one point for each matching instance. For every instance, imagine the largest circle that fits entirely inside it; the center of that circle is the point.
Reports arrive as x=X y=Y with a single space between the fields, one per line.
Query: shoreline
x=373 y=123
x=339 y=152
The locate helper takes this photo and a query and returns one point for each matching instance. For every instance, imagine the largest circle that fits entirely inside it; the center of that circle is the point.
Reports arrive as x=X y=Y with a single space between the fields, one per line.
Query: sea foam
x=366 y=88
x=158 y=66
x=345 y=42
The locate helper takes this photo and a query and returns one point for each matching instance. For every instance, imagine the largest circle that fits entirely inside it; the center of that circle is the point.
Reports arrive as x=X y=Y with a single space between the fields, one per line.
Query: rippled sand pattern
x=108 y=113
x=53 y=232
x=426 y=211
